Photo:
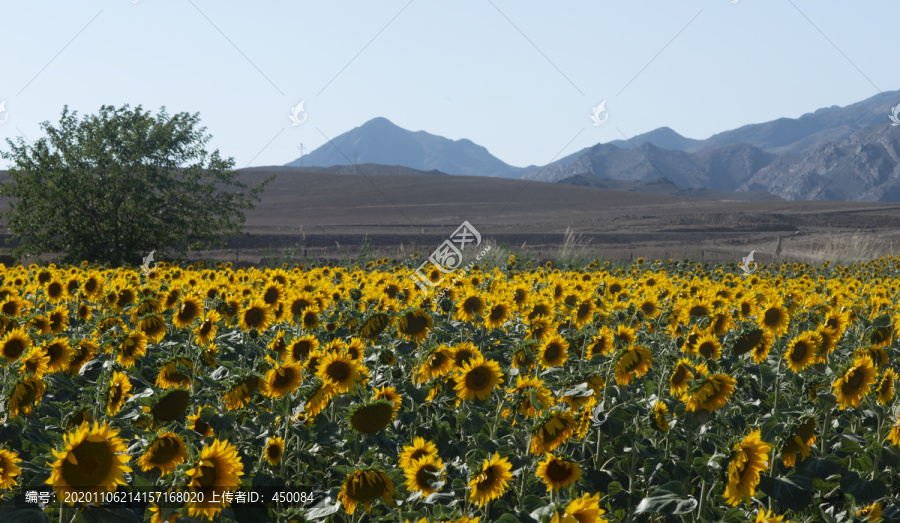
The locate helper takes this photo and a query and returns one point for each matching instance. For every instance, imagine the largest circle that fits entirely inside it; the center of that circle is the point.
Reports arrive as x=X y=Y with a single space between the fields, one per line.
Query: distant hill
x=863 y=167
x=379 y=141
x=720 y=168
x=663 y=137
x=783 y=135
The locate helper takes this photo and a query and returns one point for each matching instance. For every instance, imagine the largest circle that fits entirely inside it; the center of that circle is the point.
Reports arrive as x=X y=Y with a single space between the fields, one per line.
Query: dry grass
x=842 y=249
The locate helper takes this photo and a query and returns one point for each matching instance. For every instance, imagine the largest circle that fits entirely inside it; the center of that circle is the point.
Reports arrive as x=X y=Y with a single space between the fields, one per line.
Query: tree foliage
x=119 y=184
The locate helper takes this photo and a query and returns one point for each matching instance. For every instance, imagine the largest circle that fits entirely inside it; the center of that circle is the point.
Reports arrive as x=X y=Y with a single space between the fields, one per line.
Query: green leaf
x=318 y=513
x=11 y=514
x=822 y=467
x=614 y=488
x=666 y=503
x=508 y=518
x=863 y=490
x=793 y=492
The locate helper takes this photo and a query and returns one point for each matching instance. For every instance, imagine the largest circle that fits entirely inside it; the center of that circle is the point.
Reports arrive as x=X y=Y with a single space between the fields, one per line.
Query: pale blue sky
x=517 y=76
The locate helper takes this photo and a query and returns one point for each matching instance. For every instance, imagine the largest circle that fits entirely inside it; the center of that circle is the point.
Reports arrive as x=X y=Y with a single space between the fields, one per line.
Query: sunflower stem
x=825 y=430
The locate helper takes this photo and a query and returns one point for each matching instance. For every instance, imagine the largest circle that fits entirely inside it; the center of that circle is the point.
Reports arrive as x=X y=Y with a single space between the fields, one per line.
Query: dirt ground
x=334 y=216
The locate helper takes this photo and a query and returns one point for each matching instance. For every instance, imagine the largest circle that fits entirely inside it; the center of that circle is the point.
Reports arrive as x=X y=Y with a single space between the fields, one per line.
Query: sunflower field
x=654 y=392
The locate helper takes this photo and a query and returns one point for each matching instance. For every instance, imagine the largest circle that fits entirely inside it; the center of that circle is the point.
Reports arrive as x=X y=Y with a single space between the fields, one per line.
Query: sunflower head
x=217 y=470
x=165 y=452
x=373 y=416
x=490 y=483
x=273 y=451
x=425 y=475
x=749 y=457
x=93 y=459
x=478 y=378
x=558 y=473
x=364 y=486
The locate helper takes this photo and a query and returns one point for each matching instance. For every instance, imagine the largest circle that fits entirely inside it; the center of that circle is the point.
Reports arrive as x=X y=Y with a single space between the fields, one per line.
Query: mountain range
x=836 y=153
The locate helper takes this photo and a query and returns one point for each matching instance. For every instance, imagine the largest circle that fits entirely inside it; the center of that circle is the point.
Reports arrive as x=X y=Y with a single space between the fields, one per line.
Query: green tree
x=117 y=185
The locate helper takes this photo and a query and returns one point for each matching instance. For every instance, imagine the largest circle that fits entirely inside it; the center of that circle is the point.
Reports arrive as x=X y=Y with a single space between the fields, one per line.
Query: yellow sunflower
x=364 y=486
x=490 y=483
x=26 y=393
x=438 y=363
x=9 y=468
x=585 y=509
x=190 y=309
x=553 y=431
x=117 y=392
x=318 y=400
x=470 y=306
x=764 y=516
x=856 y=382
x=660 y=411
x=208 y=327
x=339 y=371
x=300 y=349
x=748 y=459
x=256 y=316
x=774 y=319
x=801 y=440
x=463 y=353
x=761 y=350
x=633 y=362
x=554 y=352
x=390 y=394
x=708 y=346
x=216 y=471
x=243 y=392
x=169 y=376
x=418 y=450
x=478 y=378
x=132 y=347
x=423 y=473
x=802 y=350
x=712 y=393
x=885 y=388
x=871 y=512
x=93 y=460
x=414 y=325
x=524 y=390
x=34 y=362
x=680 y=378
x=603 y=343
x=195 y=423
x=14 y=344
x=153 y=327
x=165 y=452
x=283 y=379
x=59 y=351
x=557 y=473
x=274 y=450
x=894 y=435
